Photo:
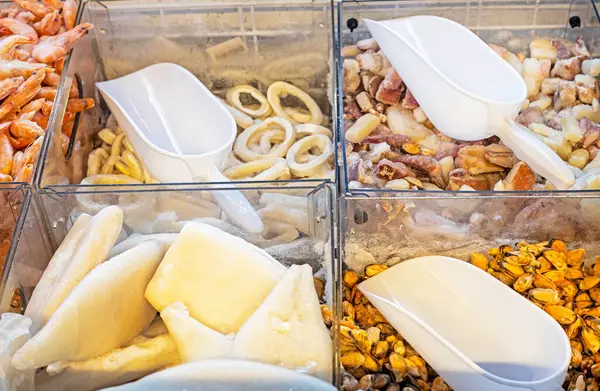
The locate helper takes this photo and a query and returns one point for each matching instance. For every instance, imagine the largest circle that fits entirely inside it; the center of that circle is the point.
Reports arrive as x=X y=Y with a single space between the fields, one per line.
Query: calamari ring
x=303 y=130
x=233 y=98
x=282 y=88
x=265 y=170
x=249 y=138
x=304 y=166
x=93 y=203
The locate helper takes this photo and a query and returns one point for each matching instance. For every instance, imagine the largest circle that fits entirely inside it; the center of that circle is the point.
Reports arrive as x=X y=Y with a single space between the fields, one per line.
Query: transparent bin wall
x=512 y=24
x=292 y=43
x=308 y=210
x=25 y=247
x=392 y=229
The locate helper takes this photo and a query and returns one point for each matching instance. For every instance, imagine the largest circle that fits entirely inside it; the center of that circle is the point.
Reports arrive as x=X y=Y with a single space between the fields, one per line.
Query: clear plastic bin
x=511 y=24
x=300 y=220
x=284 y=42
x=23 y=240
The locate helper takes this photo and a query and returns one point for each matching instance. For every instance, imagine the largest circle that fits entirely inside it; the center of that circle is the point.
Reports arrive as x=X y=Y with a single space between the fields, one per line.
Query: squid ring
x=233 y=98
x=303 y=130
x=265 y=170
x=93 y=203
x=304 y=166
x=246 y=142
x=282 y=88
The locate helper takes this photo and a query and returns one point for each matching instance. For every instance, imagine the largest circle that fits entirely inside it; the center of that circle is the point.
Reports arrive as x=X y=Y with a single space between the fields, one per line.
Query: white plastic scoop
x=180 y=130
x=474 y=331
x=467 y=91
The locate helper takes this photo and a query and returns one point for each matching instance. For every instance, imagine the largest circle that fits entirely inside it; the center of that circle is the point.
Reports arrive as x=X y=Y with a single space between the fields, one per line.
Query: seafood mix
x=391 y=144
x=36 y=37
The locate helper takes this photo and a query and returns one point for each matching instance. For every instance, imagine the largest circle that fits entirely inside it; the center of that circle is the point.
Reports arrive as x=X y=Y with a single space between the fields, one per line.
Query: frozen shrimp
x=69 y=12
x=5 y=178
x=58 y=66
x=22 y=128
x=26 y=174
x=25 y=17
x=19 y=28
x=52 y=79
x=49 y=25
x=55 y=48
x=34 y=105
x=56 y=4
x=8 y=86
x=32 y=152
x=17 y=163
x=79 y=105
x=8 y=44
x=41 y=119
x=10 y=12
x=16 y=68
x=6 y=150
x=48 y=93
x=38 y=9
x=26 y=92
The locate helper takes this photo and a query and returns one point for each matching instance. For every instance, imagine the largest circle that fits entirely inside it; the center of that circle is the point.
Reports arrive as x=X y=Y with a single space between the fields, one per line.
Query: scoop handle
x=538 y=156
x=235 y=204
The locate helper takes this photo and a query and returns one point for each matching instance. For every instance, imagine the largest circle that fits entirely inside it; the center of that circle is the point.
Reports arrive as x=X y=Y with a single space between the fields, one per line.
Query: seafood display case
x=264 y=60
x=390 y=214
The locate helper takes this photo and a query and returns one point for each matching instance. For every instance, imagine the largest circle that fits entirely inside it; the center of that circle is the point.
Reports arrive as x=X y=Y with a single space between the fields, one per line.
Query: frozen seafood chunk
x=194 y=340
x=220 y=278
x=104 y=311
x=14 y=333
x=116 y=367
x=288 y=329
x=229 y=375
x=87 y=245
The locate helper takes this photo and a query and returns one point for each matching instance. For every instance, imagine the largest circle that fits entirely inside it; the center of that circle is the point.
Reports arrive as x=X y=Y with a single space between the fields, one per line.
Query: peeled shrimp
x=55 y=48
x=8 y=86
x=16 y=68
x=69 y=13
x=8 y=44
x=19 y=28
x=6 y=150
x=49 y=25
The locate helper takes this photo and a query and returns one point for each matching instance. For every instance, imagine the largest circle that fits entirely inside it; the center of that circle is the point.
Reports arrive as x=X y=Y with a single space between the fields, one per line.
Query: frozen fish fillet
x=116 y=367
x=194 y=340
x=156 y=328
x=165 y=240
x=288 y=328
x=80 y=252
x=220 y=278
x=14 y=333
x=226 y=375
x=56 y=267
x=106 y=310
